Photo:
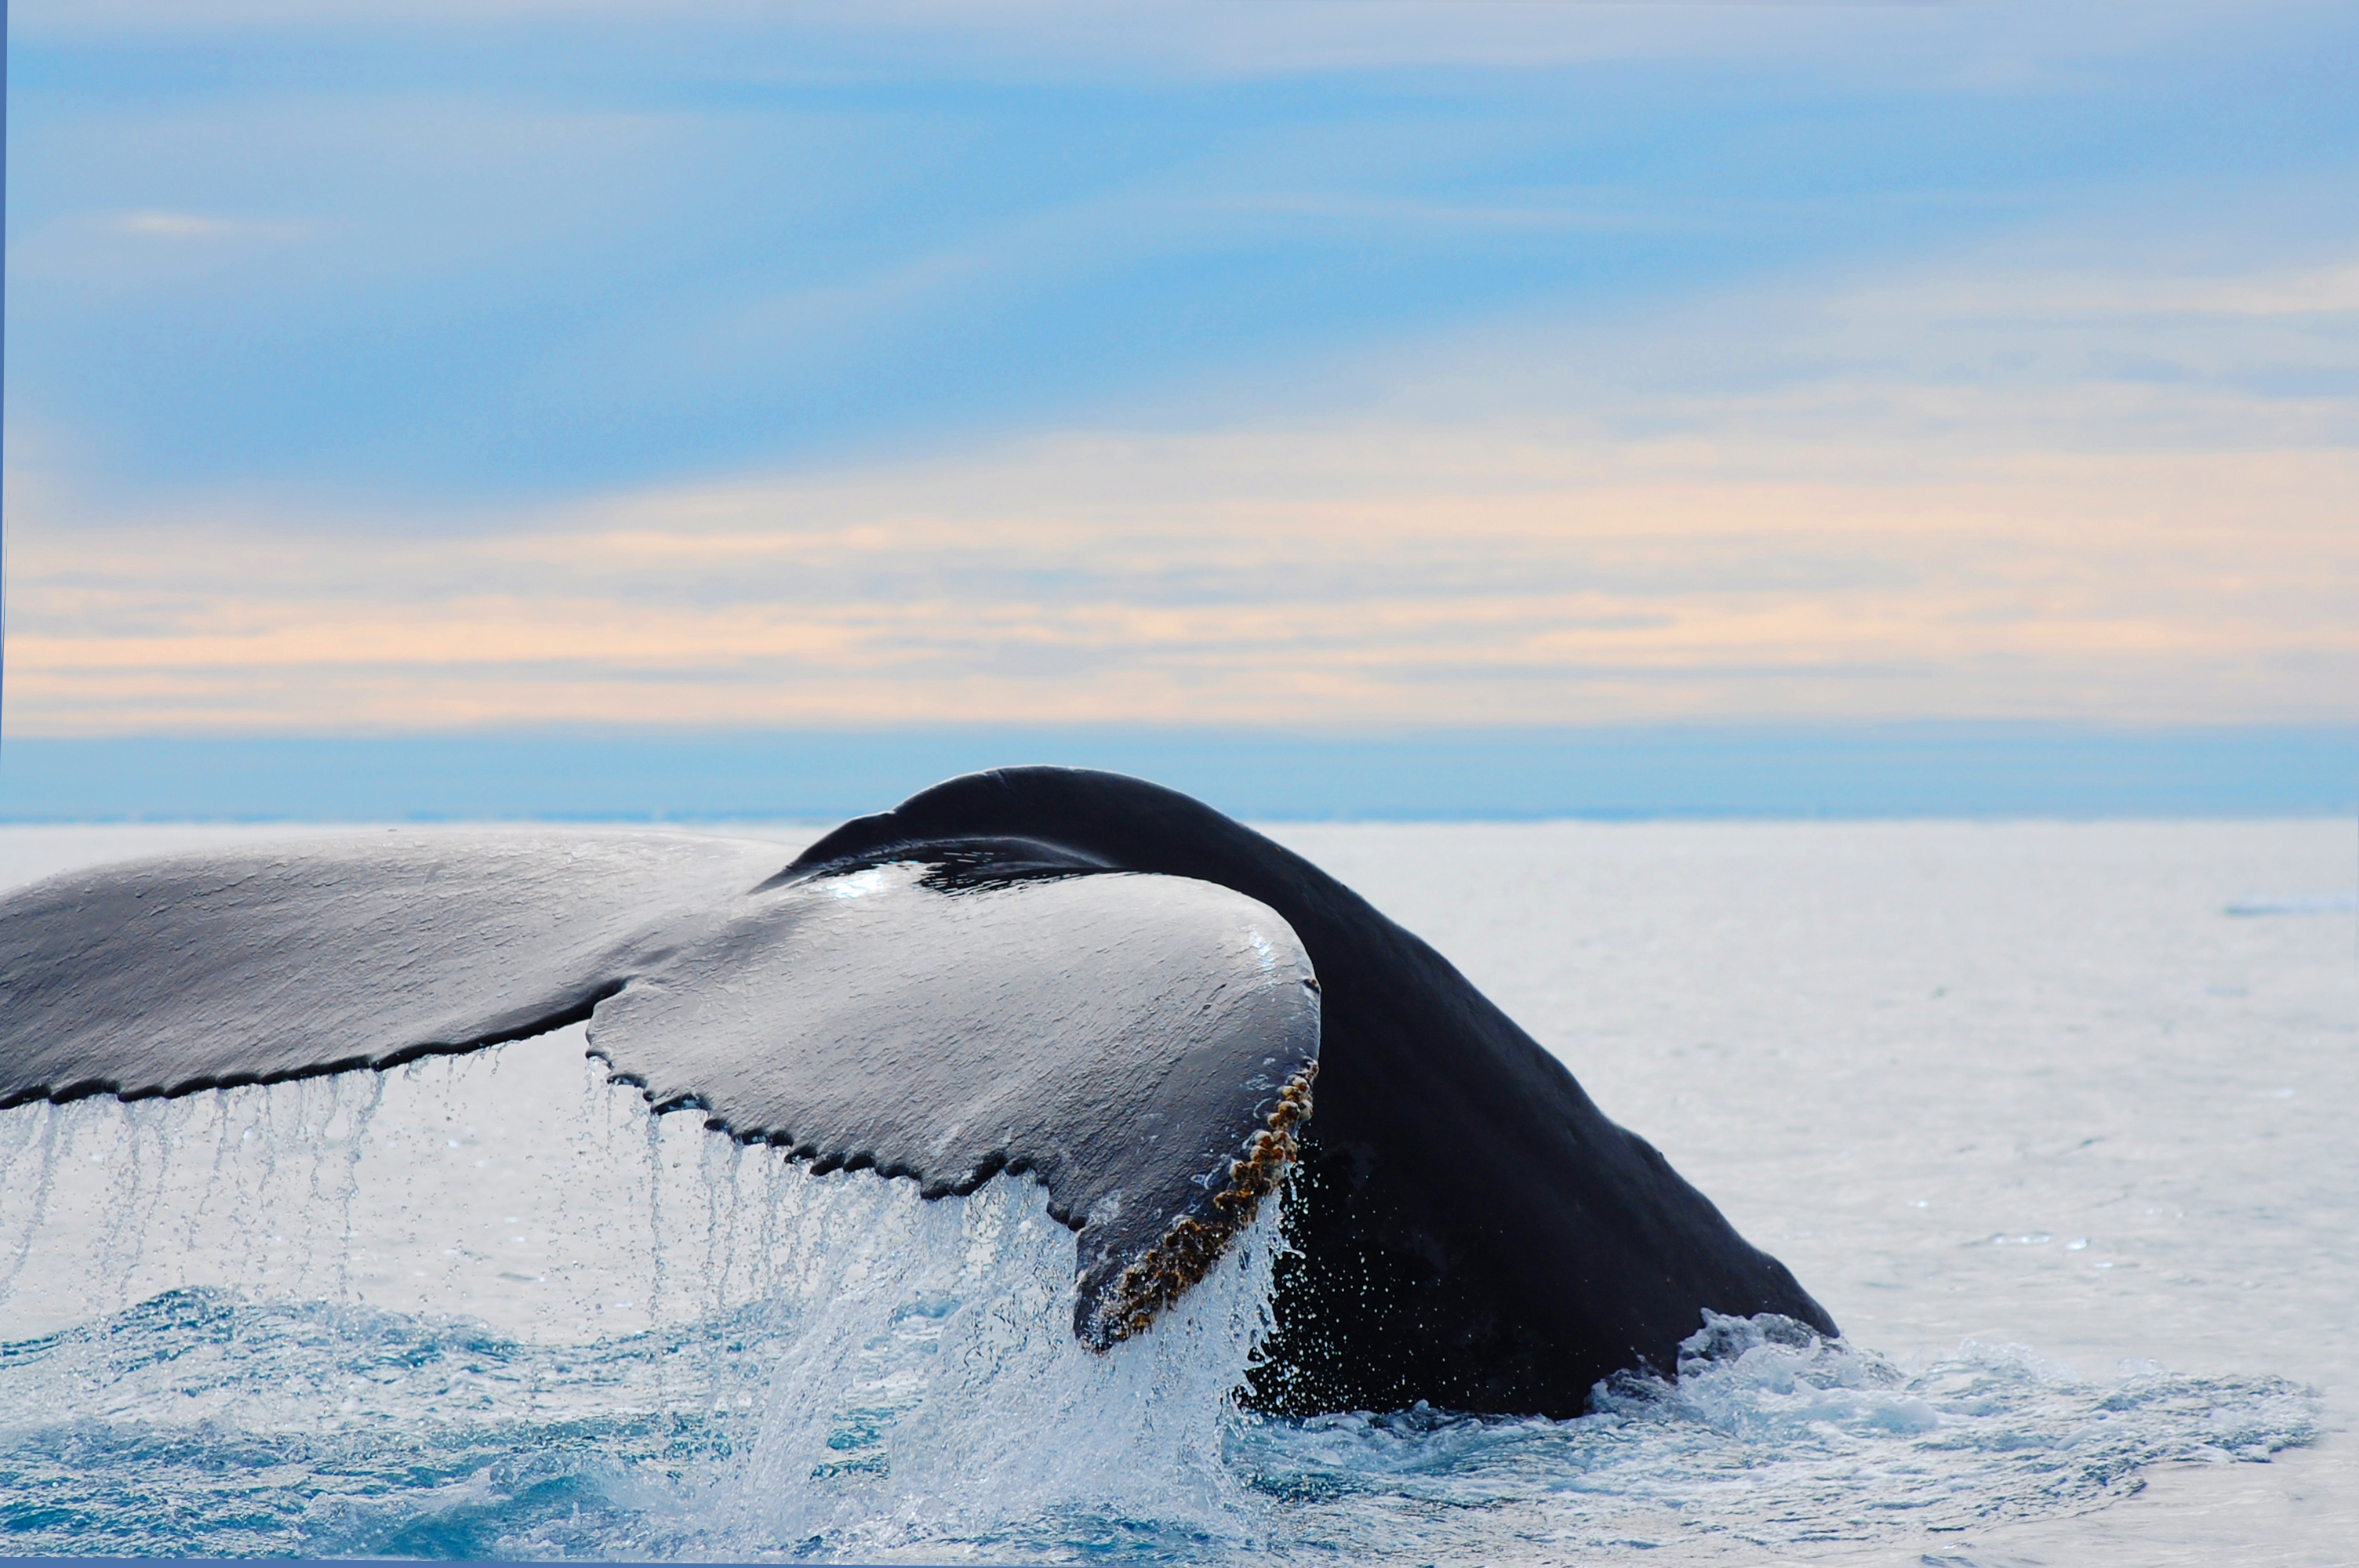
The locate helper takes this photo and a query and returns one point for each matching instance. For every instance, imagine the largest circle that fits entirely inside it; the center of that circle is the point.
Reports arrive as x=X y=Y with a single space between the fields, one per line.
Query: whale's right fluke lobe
x=1474 y=1231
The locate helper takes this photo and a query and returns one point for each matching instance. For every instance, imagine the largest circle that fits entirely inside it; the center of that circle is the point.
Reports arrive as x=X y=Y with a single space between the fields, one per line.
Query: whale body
x=1152 y=1009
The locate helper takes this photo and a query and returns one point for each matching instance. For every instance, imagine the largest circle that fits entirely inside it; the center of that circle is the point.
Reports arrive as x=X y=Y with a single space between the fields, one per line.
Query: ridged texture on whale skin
x=1123 y=1038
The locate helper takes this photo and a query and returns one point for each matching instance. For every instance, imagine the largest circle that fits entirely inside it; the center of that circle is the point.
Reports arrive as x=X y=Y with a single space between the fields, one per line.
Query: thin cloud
x=2330 y=290
x=1386 y=575
x=201 y=226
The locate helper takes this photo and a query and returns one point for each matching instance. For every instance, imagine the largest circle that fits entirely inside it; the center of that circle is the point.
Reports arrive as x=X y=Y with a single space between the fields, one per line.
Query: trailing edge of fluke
x=1155 y=1011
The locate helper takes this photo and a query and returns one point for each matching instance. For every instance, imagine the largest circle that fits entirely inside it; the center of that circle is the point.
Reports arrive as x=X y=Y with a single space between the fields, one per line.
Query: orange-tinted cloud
x=1342 y=576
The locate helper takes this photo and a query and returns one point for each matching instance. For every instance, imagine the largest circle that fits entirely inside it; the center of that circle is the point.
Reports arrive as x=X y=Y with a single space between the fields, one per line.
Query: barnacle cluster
x=1193 y=1244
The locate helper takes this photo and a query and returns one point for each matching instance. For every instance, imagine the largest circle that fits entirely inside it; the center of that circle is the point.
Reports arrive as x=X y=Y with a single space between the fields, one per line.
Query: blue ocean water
x=491 y=1307
x=199 y=1423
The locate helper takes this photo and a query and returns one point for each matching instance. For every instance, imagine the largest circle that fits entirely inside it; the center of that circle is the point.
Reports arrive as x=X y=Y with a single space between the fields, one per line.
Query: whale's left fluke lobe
x=1143 y=1046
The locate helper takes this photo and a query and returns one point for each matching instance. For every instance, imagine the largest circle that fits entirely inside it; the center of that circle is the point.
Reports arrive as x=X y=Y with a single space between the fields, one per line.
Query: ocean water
x=2052 y=1117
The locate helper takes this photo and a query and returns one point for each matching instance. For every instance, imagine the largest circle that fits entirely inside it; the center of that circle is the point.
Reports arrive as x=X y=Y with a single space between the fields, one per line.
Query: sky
x=376 y=369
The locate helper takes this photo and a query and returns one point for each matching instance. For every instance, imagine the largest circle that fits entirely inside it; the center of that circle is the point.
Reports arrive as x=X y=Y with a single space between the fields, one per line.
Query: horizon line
x=1693 y=771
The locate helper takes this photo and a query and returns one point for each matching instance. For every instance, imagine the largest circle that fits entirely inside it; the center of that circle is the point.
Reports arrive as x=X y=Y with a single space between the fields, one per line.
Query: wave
x=2342 y=901
x=1770 y=1436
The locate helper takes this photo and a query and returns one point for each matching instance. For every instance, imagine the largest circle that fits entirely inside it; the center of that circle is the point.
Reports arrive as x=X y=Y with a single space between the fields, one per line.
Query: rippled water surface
x=2052 y=1117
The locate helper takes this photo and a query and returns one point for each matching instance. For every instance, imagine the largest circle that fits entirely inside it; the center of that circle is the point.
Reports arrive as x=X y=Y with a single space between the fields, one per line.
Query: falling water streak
x=655 y=1216
x=40 y=1125
x=346 y=1233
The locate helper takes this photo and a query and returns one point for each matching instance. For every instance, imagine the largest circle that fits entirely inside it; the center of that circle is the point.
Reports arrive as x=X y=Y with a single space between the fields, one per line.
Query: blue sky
x=347 y=338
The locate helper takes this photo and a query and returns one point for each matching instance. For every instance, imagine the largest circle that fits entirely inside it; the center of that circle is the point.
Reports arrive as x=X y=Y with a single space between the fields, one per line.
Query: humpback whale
x=1158 y=1013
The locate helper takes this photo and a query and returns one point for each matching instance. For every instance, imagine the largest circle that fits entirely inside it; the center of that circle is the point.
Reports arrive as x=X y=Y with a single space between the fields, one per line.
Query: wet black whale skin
x=1120 y=1037
x=1038 y=969
x=1473 y=1230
